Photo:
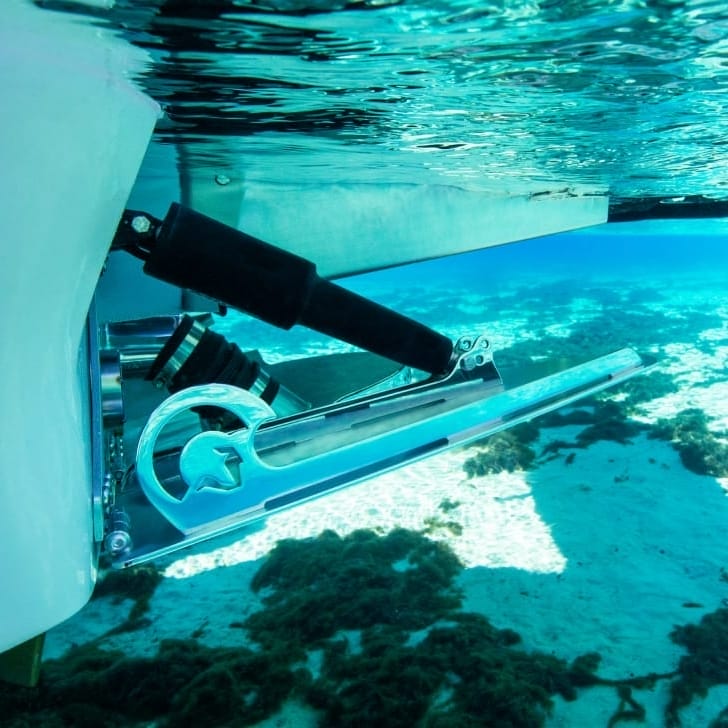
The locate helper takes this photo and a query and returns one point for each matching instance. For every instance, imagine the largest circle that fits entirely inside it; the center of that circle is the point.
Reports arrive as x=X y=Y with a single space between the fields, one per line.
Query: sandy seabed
x=606 y=551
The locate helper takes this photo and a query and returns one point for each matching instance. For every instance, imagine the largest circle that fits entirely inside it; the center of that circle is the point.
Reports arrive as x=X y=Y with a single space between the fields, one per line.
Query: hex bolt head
x=117 y=542
x=141 y=224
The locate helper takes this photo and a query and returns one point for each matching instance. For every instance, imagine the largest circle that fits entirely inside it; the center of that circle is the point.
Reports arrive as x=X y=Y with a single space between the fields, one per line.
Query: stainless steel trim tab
x=235 y=478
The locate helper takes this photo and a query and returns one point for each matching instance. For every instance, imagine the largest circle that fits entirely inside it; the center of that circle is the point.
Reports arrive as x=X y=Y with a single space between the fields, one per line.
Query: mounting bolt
x=117 y=542
x=141 y=224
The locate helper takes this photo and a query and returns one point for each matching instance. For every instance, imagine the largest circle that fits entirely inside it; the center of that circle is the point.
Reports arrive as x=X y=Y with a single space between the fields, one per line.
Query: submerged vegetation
x=363 y=629
x=603 y=417
x=185 y=683
x=606 y=417
x=136 y=584
x=319 y=586
x=369 y=629
x=637 y=325
x=646 y=387
x=385 y=615
x=505 y=451
x=396 y=649
x=705 y=665
x=701 y=451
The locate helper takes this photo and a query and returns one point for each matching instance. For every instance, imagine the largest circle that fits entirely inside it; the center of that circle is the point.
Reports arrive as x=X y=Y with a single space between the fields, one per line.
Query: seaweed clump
x=610 y=423
x=721 y=721
x=435 y=524
x=604 y=420
x=323 y=585
x=700 y=450
x=705 y=665
x=647 y=387
x=462 y=673
x=137 y=584
x=367 y=630
x=504 y=451
x=640 y=327
x=184 y=684
x=414 y=657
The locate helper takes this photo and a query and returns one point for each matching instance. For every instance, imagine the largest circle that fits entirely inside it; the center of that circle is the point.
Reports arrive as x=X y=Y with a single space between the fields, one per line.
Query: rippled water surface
x=508 y=95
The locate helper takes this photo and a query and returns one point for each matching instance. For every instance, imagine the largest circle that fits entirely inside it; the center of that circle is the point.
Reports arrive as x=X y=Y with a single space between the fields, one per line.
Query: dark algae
x=628 y=710
x=436 y=524
x=383 y=614
x=417 y=657
x=705 y=665
x=646 y=387
x=456 y=669
x=505 y=451
x=323 y=585
x=136 y=584
x=700 y=450
x=610 y=423
x=602 y=418
x=721 y=721
x=183 y=684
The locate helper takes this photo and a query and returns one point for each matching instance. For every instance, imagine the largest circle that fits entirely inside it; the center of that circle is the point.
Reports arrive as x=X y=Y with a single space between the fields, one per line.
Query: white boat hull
x=74 y=132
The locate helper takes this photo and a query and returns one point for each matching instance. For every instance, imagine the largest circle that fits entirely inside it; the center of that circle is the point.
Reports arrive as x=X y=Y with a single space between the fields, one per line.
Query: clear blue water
x=627 y=96
x=627 y=537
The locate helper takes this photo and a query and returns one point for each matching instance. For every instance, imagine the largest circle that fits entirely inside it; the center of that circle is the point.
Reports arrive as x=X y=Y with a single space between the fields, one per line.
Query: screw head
x=117 y=542
x=141 y=224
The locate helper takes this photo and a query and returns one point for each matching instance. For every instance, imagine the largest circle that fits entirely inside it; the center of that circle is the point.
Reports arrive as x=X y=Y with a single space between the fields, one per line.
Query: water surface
x=627 y=96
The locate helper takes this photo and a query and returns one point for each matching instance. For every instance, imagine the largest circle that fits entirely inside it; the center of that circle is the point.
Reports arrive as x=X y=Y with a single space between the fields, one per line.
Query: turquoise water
x=623 y=95
x=572 y=573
